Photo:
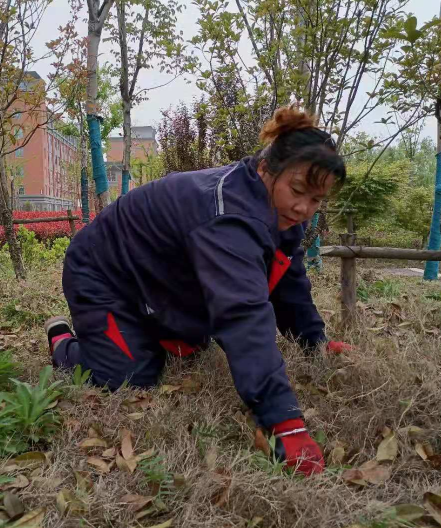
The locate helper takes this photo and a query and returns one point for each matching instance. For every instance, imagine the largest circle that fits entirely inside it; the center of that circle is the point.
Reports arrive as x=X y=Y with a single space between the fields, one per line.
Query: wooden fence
x=70 y=218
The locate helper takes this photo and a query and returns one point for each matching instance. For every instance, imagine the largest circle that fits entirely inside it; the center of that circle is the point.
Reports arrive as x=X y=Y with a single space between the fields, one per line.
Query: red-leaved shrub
x=46 y=231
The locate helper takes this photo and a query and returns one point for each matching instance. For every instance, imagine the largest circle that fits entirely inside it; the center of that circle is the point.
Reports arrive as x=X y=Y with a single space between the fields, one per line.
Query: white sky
x=149 y=112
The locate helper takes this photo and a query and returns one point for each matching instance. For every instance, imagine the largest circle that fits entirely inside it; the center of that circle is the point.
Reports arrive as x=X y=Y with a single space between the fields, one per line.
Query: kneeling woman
x=212 y=253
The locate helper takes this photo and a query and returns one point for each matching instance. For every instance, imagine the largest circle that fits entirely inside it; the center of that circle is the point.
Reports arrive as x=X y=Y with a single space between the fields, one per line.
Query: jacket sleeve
x=295 y=310
x=228 y=257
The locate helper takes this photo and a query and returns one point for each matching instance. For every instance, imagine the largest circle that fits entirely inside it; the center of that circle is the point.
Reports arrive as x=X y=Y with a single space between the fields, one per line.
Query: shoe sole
x=53 y=321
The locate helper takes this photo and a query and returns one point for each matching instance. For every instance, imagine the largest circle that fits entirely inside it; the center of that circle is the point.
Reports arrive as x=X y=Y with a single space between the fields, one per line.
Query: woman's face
x=294 y=199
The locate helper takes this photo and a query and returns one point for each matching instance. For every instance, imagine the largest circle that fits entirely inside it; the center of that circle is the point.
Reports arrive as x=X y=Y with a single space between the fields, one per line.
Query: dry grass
x=392 y=379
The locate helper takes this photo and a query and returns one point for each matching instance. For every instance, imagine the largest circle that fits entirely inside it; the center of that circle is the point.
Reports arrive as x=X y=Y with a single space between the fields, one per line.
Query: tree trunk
x=125 y=96
x=6 y=221
x=98 y=167
x=127 y=121
x=84 y=179
x=431 y=269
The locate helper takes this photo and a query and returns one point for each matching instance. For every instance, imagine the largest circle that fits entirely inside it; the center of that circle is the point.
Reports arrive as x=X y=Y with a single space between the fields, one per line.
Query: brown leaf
x=126 y=465
x=46 y=483
x=84 y=482
x=136 y=416
x=310 y=413
x=420 y=449
x=168 y=389
x=388 y=448
x=88 y=443
x=69 y=503
x=145 y=454
x=354 y=476
x=413 y=431
x=191 y=385
x=179 y=480
x=33 y=519
x=109 y=453
x=126 y=444
x=376 y=474
x=142 y=401
x=99 y=464
x=74 y=425
x=12 y=505
x=137 y=502
x=31 y=459
x=432 y=503
x=407 y=512
x=20 y=481
x=435 y=461
x=261 y=443
x=337 y=455
x=211 y=458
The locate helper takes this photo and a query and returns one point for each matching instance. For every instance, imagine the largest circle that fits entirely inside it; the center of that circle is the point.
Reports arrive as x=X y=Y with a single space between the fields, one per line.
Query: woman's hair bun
x=286 y=119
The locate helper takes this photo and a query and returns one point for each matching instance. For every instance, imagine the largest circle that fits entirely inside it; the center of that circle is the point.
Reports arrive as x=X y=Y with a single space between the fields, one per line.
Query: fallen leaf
x=211 y=458
x=168 y=389
x=20 y=481
x=145 y=454
x=354 y=476
x=74 y=425
x=84 y=482
x=413 y=431
x=261 y=442
x=137 y=502
x=33 y=519
x=386 y=431
x=109 y=453
x=432 y=503
x=435 y=461
x=126 y=465
x=388 y=448
x=406 y=512
x=179 y=480
x=376 y=474
x=337 y=455
x=126 y=444
x=46 y=483
x=31 y=459
x=255 y=521
x=142 y=401
x=65 y=405
x=165 y=524
x=136 y=416
x=420 y=449
x=99 y=464
x=88 y=443
x=68 y=503
x=12 y=505
x=191 y=385
x=310 y=413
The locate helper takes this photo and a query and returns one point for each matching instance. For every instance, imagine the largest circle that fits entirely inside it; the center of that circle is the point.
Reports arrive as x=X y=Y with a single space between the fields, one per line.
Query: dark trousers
x=122 y=348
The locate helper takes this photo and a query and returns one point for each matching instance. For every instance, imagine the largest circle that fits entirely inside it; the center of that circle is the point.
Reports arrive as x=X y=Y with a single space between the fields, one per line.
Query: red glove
x=298 y=448
x=338 y=347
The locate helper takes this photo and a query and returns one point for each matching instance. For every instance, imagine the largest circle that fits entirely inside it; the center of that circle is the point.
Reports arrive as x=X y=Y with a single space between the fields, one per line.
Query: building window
x=17 y=115
x=21 y=190
x=19 y=171
x=112 y=177
x=19 y=152
x=18 y=133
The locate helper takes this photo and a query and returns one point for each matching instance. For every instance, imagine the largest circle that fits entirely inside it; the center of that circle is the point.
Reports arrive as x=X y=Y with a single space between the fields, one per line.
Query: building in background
x=143 y=145
x=44 y=171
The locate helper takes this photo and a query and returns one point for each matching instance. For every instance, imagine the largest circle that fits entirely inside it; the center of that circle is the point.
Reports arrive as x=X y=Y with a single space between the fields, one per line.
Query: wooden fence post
x=73 y=229
x=348 y=282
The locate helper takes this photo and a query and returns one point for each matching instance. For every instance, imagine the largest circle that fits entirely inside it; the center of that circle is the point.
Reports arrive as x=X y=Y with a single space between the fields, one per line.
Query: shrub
x=46 y=231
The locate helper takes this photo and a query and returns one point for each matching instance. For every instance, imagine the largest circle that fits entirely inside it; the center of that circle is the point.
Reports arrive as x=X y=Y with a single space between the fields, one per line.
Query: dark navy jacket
x=195 y=250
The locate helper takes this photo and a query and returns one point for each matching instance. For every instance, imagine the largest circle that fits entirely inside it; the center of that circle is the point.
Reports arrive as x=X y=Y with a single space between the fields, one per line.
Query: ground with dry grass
x=183 y=454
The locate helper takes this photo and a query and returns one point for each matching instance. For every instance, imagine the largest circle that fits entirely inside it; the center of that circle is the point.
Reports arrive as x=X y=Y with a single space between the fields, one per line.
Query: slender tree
x=147 y=38
x=98 y=13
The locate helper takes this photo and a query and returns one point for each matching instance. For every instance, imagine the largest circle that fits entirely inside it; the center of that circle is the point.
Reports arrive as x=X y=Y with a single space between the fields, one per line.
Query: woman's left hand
x=338 y=347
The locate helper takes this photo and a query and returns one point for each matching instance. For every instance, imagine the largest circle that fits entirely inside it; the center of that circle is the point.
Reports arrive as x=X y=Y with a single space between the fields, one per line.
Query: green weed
x=157 y=475
x=79 y=378
x=387 y=289
x=26 y=415
x=8 y=369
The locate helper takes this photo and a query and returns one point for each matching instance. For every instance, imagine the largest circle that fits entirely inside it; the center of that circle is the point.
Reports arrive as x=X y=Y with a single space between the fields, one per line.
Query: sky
x=149 y=112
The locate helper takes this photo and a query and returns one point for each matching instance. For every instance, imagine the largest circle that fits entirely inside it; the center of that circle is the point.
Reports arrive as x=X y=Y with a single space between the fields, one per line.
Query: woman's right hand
x=297 y=448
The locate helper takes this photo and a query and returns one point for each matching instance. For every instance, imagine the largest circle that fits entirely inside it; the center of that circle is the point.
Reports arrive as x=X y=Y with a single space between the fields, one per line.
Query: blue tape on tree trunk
x=98 y=167
x=432 y=267
x=125 y=182
x=85 y=196
x=314 y=259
